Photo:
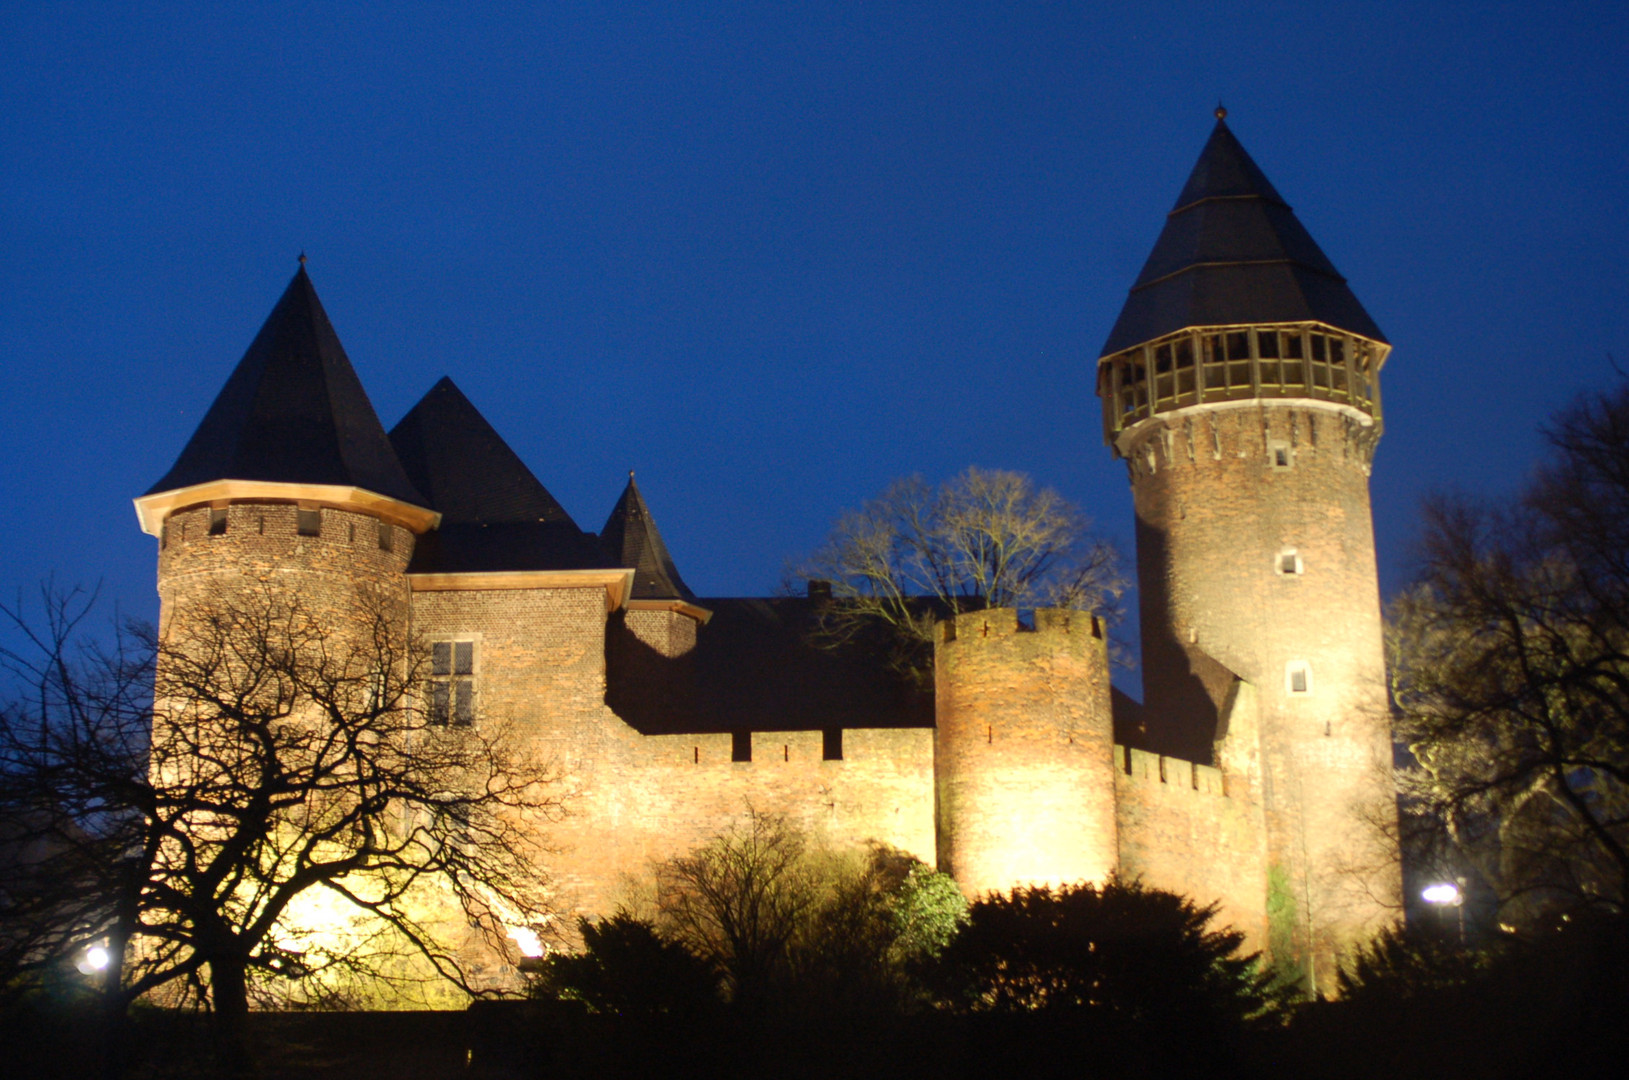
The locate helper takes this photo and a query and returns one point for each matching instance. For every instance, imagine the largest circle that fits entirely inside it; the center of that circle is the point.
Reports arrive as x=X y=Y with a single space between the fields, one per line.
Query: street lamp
x=95 y=959
x=1445 y=894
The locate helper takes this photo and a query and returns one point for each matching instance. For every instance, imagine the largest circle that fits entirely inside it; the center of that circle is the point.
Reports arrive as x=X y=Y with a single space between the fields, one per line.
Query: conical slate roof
x=1233 y=252
x=631 y=538
x=293 y=411
x=495 y=514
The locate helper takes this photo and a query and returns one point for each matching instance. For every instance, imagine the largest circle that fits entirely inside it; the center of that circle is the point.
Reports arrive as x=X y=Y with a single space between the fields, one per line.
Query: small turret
x=1024 y=750
x=663 y=613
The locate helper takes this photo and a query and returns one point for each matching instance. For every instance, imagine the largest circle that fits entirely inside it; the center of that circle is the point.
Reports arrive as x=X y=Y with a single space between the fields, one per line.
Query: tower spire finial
x=1221 y=110
x=302 y=259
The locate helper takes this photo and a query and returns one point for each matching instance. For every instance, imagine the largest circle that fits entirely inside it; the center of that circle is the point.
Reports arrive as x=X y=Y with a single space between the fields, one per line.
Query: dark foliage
x=627 y=969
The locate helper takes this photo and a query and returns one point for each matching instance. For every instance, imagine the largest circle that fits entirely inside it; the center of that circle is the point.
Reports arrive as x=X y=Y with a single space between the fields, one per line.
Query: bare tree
x=1510 y=665
x=786 y=921
x=986 y=538
x=280 y=817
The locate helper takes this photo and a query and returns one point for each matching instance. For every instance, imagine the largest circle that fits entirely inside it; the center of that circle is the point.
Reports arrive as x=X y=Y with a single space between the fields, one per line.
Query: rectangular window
x=452 y=683
x=308 y=522
x=1267 y=344
x=831 y=744
x=217 y=522
x=387 y=537
x=740 y=746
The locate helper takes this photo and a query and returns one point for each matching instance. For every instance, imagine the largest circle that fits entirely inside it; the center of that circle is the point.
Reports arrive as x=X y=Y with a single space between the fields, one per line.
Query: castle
x=1240 y=386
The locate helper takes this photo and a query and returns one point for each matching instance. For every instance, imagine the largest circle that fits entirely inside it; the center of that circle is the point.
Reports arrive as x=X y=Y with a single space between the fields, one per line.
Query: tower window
x=217 y=522
x=1289 y=562
x=308 y=522
x=1280 y=455
x=740 y=746
x=1298 y=677
x=452 y=683
x=387 y=537
x=831 y=744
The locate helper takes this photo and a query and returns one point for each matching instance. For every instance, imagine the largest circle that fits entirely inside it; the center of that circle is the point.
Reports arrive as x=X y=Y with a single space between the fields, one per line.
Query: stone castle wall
x=1181 y=828
x=633 y=800
x=261 y=549
x=1024 y=750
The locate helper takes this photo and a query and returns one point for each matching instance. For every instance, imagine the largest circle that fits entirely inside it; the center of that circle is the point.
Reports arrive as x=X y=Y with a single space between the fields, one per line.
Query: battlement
x=972 y=626
x=1144 y=767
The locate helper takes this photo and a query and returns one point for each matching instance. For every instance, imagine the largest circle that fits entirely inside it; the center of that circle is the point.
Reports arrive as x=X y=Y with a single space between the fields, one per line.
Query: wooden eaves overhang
x=617 y=583
x=151 y=510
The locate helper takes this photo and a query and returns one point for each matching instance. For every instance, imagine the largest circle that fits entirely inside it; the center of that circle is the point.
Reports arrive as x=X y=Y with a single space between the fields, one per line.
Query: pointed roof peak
x=457 y=458
x=1225 y=170
x=1233 y=252
x=293 y=411
x=631 y=539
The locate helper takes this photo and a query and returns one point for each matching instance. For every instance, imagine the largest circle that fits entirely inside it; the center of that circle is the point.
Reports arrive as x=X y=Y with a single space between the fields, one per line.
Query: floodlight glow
x=92 y=960
x=531 y=946
x=1444 y=893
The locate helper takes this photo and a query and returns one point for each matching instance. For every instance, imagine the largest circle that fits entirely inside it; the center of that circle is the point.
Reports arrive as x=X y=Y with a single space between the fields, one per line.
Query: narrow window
x=387 y=537
x=164 y=535
x=1297 y=677
x=1279 y=454
x=352 y=538
x=831 y=744
x=217 y=522
x=740 y=746
x=452 y=683
x=1289 y=562
x=308 y=522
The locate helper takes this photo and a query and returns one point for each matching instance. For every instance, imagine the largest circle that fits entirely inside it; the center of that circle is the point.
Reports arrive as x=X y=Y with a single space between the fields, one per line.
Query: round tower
x=1241 y=387
x=289 y=490
x=1024 y=750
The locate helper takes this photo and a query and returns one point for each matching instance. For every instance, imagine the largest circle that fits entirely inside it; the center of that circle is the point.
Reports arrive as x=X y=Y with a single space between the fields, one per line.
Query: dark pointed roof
x=495 y=514
x=631 y=539
x=1233 y=252
x=293 y=411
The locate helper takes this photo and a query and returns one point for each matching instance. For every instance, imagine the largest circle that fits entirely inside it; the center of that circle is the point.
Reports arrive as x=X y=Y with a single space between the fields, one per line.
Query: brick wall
x=1216 y=519
x=1024 y=750
x=1181 y=829
x=633 y=800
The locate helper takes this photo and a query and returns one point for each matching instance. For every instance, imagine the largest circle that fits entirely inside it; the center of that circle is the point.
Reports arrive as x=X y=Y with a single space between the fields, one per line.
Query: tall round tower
x=289 y=489
x=1024 y=750
x=1241 y=386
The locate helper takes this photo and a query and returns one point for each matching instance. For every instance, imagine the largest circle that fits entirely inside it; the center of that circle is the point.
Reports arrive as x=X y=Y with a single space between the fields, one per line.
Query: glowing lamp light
x=1442 y=893
x=95 y=959
x=531 y=946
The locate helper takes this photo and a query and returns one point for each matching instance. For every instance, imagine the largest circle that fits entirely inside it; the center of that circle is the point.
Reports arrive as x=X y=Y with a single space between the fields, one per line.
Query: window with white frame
x=452 y=682
x=1298 y=677
x=1288 y=563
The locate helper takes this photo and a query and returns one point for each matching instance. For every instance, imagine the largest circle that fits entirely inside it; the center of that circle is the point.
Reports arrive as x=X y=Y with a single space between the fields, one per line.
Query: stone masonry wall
x=1255 y=548
x=261 y=550
x=1024 y=749
x=633 y=800
x=1181 y=829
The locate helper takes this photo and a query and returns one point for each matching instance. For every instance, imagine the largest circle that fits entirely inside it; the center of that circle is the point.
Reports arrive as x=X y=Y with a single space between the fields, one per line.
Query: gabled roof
x=495 y=514
x=293 y=412
x=631 y=539
x=1233 y=252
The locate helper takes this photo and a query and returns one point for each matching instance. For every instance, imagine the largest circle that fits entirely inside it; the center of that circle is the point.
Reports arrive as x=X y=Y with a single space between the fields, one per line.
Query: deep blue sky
x=772 y=255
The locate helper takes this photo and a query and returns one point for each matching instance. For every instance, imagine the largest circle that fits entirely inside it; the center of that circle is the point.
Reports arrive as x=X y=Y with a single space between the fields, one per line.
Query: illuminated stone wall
x=1181 y=828
x=1256 y=553
x=633 y=800
x=1024 y=750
